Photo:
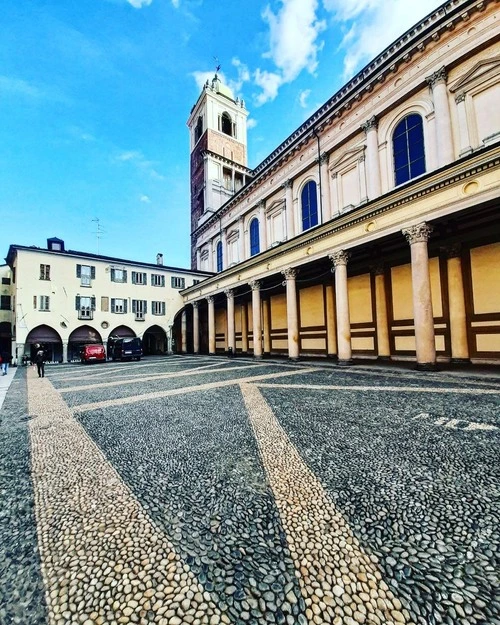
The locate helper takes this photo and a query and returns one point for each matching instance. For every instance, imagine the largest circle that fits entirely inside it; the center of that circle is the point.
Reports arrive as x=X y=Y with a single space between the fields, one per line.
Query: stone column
x=437 y=83
x=335 y=193
x=381 y=318
x=456 y=298
x=362 y=180
x=18 y=353
x=257 y=325
x=417 y=236
x=372 y=158
x=331 y=334
x=65 y=351
x=262 y=227
x=183 y=332
x=325 y=187
x=211 y=324
x=463 y=125
x=196 y=328
x=292 y=313
x=290 y=230
x=266 y=322
x=198 y=258
x=231 y=343
x=244 y=328
x=339 y=260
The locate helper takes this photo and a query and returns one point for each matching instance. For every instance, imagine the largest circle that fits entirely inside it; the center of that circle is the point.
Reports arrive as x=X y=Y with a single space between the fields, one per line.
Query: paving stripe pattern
x=103 y=560
x=340 y=582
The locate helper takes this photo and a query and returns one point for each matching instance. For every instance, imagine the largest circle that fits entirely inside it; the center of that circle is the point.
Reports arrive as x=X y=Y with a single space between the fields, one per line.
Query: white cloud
x=293 y=40
x=202 y=77
x=251 y=123
x=137 y=159
x=28 y=90
x=145 y=199
x=303 y=95
x=372 y=25
x=138 y=4
x=175 y=4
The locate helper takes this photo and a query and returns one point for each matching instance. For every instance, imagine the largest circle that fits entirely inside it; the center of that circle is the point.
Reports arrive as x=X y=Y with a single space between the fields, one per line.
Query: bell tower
x=218 y=146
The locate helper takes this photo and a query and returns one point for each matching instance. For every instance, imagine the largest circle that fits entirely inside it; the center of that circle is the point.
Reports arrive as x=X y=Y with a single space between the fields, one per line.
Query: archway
x=154 y=341
x=79 y=337
x=49 y=339
x=122 y=332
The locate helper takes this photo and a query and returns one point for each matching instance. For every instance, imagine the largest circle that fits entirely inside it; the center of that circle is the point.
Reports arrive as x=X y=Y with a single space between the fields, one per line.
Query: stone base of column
x=345 y=363
x=460 y=361
x=293 y=358
x=258 y=356
x=212 y=354
x=426 y=366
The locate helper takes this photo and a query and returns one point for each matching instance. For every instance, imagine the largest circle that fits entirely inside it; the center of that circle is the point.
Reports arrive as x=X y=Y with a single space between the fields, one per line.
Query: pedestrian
x=40 y=362
x=5 y=360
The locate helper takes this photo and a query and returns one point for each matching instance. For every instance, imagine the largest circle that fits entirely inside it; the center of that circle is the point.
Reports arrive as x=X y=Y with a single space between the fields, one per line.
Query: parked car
x=94 y=352
x=129 y=348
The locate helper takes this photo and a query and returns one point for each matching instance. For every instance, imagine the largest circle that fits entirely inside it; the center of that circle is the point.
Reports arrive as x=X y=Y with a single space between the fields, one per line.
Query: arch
x=83 y=335
x=154 y=341
x=408 y=148
x=220 y=260
x=254 y=237
x=226 y=124
x=198 y=131
x=309 y=205
x=49 y=339
x=122 y=332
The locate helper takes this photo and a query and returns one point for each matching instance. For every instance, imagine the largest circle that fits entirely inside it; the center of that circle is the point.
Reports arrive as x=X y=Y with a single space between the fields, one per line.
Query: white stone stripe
x=399 y=389
x=158 y=376
x=121 y=401
x=102 y=558
x=340 y=583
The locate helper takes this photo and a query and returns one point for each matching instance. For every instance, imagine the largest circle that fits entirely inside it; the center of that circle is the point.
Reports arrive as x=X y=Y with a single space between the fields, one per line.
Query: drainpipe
x=315 y=133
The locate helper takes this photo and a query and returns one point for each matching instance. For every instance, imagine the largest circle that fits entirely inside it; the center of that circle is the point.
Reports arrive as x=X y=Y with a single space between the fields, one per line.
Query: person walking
x=40 y=361
x=6 y=358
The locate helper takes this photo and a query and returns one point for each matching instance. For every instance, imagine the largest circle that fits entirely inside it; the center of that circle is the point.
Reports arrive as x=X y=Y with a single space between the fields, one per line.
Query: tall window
x=309 y=202
x=198 y=131
x=226 y=125
x=44 y=272
x=86 y=273
x=408 y=148
x=219 y=256
x=254 y=237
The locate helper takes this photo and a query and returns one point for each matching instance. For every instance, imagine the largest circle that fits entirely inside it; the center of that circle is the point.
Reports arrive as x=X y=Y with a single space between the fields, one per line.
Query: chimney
x=159 y=259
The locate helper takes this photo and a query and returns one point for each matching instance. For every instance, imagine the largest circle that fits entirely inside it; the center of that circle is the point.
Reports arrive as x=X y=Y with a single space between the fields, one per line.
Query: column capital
x=439 y=76
x=340 y=257
x=324 y=158
x=255 y=285
x=195 y=304
x=460 y=97
x=290 y=273
x=288 y=184
x=417 y=234
x=229 y=293
x=370 y=124
x=210 y=299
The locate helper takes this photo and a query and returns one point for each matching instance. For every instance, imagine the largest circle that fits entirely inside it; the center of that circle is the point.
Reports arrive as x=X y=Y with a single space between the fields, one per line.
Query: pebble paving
x=205 y=490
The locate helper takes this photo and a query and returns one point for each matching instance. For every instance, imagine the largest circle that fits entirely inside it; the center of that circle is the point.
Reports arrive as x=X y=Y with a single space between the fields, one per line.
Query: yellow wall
x=402 y=296
x=485 y=270
x=278 y=311
x=360 y=299
x=312 y=306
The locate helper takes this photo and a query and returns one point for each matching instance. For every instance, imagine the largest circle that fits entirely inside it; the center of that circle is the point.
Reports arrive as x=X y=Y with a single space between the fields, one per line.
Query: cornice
x=228 y=161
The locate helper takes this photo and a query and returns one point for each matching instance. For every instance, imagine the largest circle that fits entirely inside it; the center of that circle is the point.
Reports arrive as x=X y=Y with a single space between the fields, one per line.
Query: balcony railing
x=139 y=316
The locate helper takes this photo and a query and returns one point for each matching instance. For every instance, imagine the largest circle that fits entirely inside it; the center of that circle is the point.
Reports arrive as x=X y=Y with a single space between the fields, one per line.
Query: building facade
x=62 y=299
x=373 y=230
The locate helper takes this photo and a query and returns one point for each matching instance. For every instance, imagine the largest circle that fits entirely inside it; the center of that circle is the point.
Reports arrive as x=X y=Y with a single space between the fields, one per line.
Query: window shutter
x=144 y=278
x=78 y=271
x=92 y=303
x=134 y=306
x=134 y=277
x=34 y=301
x=112 y=274
x=112 y=304
x=125 y=304
x=145 y=307
x=163 y=308
x=124 y=275
x=92 y=273
x=163 y=280
x=77 y=302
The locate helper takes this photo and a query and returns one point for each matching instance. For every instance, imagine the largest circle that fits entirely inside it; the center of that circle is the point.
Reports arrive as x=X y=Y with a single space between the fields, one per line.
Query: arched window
x=309 y=202
x=219 y=256
x=408 y=148
x=226 y=125
x=198 y=130
x=254 y=237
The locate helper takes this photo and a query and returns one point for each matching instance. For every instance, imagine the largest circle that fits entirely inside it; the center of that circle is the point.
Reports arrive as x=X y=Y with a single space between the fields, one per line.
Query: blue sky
x=95 y=94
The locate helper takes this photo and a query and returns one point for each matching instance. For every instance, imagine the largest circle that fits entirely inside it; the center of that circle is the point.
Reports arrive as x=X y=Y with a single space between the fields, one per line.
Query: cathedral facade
x=373 y=230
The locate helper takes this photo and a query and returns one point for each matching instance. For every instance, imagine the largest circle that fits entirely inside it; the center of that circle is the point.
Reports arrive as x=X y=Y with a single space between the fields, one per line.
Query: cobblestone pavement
x=205 y=490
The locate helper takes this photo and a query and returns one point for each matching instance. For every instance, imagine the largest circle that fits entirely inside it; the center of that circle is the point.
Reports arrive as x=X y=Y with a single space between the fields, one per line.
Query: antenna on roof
x=98 y=231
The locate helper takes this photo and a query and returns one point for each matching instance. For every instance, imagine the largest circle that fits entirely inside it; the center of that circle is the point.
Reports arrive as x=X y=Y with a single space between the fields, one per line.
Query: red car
x=92 y=353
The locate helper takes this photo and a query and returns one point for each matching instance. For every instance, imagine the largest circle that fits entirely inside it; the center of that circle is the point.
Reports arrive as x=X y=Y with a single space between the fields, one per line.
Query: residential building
x=63 y=298
x=373 y=230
